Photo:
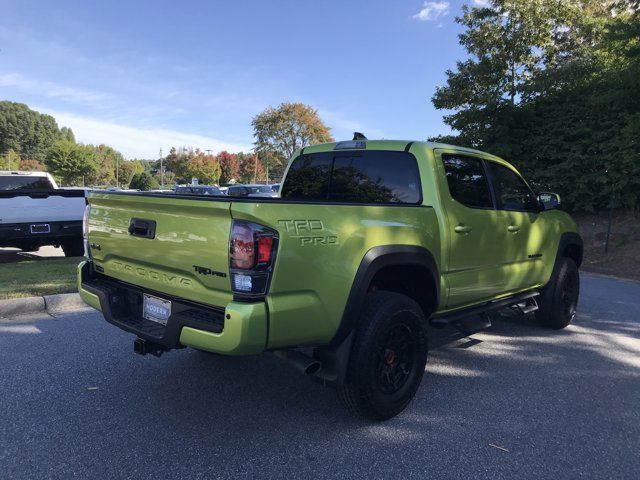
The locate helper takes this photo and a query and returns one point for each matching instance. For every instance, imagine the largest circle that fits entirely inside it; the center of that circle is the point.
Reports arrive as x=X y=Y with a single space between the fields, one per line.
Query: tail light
x=85 y=232
x=252 y=250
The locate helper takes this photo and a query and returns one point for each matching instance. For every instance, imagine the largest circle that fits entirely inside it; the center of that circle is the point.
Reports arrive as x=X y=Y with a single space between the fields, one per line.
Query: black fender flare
x=566 y=239
x=373 y=261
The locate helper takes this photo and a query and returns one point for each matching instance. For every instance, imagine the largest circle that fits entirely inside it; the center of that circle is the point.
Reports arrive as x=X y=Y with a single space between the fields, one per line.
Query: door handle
x=513 y=228
x=462 y=229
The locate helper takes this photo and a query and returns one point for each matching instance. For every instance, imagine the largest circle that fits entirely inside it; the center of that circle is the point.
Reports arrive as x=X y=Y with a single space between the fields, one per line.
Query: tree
x=178 y=162
x=128 y=169
x=203 y=167
x=27 y=132
x=250 y=168
x=71 y=162
x=10 y=161
x=229 y=166
x=282 y=130
x=108 y=162
x=67 y=134
x=30 y=165
x=143 y=181
x=552 y=86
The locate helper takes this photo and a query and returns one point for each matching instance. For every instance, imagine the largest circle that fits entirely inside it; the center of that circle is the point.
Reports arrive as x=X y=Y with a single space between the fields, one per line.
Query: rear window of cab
x=369 y=176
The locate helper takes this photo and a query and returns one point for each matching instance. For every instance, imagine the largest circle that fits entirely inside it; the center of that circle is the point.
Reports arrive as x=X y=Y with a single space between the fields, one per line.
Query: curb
x=51 y=304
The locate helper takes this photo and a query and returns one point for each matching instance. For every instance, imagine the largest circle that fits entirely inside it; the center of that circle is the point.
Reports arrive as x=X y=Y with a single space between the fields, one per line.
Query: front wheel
x=559 y=299
x=388 y=357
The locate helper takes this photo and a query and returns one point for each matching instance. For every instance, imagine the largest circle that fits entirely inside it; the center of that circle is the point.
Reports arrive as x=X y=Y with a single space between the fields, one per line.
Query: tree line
x=30 y=140
x=554 y=87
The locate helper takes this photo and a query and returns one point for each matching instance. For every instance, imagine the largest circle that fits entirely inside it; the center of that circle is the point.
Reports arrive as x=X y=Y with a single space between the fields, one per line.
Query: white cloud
x=482 y=3
x=52 y=90
x=432 y=11
x=137 y=142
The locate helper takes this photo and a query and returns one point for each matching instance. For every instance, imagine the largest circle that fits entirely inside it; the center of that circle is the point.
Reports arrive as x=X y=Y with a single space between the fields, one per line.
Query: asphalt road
x=523 y=402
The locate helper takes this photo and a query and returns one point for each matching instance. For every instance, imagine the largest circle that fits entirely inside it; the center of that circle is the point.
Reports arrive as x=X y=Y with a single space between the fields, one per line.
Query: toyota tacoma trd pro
x=368 y=244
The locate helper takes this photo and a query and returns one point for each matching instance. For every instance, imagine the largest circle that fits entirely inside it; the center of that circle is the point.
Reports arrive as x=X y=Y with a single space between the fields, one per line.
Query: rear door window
x=373 y=176
x=467 y=181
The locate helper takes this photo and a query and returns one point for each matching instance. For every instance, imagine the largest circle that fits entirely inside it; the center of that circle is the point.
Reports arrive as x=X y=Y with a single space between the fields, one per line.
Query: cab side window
x=467 y=181
x=512 y=193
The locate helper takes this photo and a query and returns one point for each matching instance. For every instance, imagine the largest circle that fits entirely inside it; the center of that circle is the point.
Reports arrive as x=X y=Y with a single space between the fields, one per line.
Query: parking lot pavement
x=11 y=255
x=523 y=402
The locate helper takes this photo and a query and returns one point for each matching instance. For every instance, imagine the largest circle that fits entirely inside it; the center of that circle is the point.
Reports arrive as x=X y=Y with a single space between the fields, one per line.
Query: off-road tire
x=559 y=299
x=74 y=248
x=386 y=318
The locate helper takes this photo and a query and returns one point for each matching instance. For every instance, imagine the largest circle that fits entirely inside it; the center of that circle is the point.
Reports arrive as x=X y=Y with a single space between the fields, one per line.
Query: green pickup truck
x=369 y=243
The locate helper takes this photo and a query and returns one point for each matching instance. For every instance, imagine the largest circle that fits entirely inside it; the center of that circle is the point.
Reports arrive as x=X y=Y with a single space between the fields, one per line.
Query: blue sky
x=141 y=76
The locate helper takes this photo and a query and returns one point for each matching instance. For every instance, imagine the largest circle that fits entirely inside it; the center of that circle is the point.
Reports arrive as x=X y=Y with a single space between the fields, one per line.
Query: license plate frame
x=156 y=309
x=39 y=228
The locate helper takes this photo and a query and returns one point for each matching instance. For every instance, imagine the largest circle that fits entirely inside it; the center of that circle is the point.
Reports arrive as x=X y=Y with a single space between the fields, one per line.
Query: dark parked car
x=198 y=190
x=251 y=191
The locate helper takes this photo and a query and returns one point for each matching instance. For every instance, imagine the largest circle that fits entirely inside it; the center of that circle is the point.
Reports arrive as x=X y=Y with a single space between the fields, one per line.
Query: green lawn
x=38 y=277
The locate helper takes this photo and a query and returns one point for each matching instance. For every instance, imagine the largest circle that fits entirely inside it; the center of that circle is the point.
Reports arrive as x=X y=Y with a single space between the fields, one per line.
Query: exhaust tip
x=313 y=368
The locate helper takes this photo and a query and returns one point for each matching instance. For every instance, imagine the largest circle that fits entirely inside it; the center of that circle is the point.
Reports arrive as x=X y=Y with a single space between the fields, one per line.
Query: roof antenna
x=359 y=136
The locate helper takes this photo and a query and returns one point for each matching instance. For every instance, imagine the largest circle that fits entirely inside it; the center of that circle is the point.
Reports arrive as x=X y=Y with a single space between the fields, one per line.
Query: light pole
x=161 y=170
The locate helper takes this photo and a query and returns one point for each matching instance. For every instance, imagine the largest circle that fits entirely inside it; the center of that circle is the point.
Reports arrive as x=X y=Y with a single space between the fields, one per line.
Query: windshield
x=19 y=182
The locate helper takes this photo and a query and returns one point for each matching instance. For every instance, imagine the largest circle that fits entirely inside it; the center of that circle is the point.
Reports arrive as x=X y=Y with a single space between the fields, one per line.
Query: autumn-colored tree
x=229 y=166
x=250 y=169
x=30 y=165
x=282 y=130
x=203 y=167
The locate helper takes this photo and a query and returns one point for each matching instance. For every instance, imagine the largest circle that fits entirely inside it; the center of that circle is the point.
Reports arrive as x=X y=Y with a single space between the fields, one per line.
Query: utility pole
x=117 y=180
x=161 y=170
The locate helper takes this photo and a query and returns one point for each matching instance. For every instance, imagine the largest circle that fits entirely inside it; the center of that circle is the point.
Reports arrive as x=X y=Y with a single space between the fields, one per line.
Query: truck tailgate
x=186 y=255
x=34 y=207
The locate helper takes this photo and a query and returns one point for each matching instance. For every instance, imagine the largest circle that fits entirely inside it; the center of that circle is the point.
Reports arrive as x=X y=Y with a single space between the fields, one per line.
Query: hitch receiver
x=143 y=347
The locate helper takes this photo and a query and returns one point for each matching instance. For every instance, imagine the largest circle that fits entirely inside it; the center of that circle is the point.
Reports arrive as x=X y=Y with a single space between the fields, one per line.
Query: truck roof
x=372 y=144
x=20 y=172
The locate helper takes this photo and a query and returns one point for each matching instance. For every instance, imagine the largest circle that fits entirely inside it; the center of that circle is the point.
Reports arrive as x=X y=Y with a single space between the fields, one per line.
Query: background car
x=251 y=191
x=34 y=212
x=198 y=190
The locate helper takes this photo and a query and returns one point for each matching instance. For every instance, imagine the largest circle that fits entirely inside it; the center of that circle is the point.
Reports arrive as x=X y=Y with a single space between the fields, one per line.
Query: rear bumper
x=238 y=329
x=38 y=234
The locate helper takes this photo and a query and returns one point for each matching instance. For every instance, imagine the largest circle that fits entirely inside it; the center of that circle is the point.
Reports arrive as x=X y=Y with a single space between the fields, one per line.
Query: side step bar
x=528 y=298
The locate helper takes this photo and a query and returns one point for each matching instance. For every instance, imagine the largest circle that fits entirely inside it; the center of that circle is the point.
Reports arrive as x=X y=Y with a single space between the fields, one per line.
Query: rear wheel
x=559 y=299
x=73 y=248
x=388 y=357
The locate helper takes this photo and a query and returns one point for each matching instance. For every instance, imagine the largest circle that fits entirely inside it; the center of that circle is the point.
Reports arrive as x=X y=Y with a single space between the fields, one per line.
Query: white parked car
x=34 y=212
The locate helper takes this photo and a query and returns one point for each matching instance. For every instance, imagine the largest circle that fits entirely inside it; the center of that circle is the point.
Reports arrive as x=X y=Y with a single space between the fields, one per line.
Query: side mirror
x=549 y=201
